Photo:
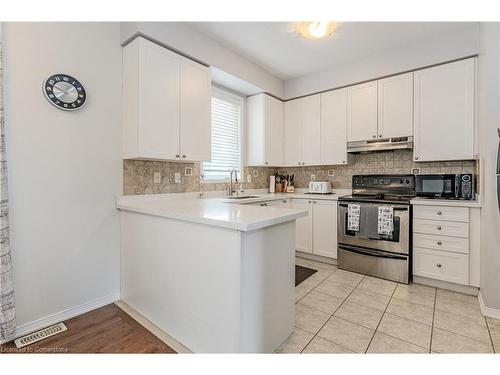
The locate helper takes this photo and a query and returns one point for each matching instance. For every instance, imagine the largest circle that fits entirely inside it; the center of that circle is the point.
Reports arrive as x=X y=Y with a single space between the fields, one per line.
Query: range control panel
x=387 y=183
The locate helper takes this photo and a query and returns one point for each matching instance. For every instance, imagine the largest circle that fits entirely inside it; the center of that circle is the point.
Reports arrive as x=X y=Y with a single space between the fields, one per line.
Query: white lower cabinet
x=446 y=243
x=317 y=233
x=324 y=228
x=441 y=265
x=303 y=226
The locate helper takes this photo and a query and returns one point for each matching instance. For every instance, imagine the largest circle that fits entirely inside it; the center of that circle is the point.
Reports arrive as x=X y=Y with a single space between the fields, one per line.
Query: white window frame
x=228 y=95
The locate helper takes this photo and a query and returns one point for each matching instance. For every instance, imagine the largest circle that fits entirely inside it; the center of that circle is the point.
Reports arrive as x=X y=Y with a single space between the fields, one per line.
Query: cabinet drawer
x=444 y=213
x=441 y=265
x=442 y=228
x=441 y=243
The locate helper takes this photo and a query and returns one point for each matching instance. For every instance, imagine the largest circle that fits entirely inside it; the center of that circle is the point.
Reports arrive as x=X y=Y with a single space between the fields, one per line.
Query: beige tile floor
x=345 y=312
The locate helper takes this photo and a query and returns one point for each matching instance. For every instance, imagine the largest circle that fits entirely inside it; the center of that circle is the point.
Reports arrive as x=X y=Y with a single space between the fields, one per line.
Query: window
x=227 y=113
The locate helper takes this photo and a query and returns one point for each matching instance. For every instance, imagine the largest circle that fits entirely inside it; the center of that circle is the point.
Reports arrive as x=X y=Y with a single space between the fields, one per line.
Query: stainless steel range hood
x=380 y=144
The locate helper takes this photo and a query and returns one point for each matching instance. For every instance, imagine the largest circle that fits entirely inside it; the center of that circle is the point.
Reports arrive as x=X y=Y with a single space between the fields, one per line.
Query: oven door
x=397 y=242
x=436 y=185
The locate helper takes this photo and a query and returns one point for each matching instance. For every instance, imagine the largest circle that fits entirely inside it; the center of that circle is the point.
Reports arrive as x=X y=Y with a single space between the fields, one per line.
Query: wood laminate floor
x=105 y=330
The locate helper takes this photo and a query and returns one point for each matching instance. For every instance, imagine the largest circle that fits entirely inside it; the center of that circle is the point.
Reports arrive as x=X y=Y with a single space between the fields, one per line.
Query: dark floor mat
x=302 y=273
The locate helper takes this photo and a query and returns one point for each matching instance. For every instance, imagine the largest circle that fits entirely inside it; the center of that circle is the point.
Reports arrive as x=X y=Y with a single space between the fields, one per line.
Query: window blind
x=226 y=153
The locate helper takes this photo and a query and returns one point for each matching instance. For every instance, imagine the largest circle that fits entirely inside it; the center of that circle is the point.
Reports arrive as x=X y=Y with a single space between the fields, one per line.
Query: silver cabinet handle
x=177 y=156
x=438 y=227
x=343 y=161
x=308 y=201
x=266 y=163
x=439 y=213
x=439 y=243
x=183 y=156
x=374 y=136
x=380 y=135
x=314 y=202
x=284 y=201
x=416 y=157
x=438 y=265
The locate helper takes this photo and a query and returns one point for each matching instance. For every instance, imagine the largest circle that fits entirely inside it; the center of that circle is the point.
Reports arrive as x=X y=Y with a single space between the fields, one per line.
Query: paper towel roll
x=272 y=184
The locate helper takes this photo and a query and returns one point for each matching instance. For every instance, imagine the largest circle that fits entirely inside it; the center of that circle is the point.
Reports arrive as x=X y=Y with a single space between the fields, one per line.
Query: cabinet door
x=293 y=134
x=444 y=112
x=303 y=227
x=159 y=84
x=334 y=127
x=395 y=106
x=273 y=131
x=256 y=137
x=195 y=114
x=310 y=114
x=324 y=228
x=362 y=104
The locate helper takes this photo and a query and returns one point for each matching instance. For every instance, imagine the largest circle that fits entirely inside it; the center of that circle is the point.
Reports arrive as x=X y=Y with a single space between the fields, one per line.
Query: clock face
x=65 y=92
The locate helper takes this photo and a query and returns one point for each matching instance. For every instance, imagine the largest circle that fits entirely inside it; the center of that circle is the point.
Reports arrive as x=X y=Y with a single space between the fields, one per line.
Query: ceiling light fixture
x=317 y=29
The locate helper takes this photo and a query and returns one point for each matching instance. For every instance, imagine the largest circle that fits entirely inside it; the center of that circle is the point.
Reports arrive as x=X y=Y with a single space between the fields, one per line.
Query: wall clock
x=64 y=92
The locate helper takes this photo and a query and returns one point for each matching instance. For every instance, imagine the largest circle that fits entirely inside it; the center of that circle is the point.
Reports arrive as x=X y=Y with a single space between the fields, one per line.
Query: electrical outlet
x=177 y=178
x=313 y=177
x=256 y=173
x=188 y=171
x=249 y=178
x=331 y=173
x=157 y=177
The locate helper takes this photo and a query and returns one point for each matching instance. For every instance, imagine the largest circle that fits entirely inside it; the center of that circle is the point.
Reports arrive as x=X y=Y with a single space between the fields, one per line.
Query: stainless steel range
x=374 y=234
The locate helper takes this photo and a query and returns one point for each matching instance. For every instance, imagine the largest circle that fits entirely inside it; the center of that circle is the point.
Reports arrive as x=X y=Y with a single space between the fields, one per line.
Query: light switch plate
x=313 y=177
x=249 y=178
x=177 y=178
x=156 y=177
x=331 y=173
x=256 y=173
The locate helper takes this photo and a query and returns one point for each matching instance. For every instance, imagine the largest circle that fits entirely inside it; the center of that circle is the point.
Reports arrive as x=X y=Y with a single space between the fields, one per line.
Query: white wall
x=489 y=121
x=64 y=168
x=408 y=57
x=197 y=45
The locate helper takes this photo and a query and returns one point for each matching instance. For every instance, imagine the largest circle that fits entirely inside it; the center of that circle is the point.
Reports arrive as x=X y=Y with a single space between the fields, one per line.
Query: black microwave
x=450 y=186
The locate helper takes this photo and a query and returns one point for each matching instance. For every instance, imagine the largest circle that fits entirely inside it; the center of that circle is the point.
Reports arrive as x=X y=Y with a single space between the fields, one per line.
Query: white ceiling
x=277 y=47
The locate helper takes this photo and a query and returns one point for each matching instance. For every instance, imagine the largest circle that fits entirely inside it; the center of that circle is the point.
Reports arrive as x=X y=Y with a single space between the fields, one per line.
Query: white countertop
x=210 y=211
x=445 y=202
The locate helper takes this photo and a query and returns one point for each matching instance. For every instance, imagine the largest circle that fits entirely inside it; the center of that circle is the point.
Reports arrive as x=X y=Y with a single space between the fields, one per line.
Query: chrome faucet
x=230 y=190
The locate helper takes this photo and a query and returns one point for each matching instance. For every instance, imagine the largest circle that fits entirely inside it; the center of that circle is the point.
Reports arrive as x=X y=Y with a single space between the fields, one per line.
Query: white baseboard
x=317 y=258
x=38 y=324
x=488 y=311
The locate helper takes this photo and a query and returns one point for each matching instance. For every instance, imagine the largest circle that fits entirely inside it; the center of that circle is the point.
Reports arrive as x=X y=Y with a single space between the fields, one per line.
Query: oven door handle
x=372 y=253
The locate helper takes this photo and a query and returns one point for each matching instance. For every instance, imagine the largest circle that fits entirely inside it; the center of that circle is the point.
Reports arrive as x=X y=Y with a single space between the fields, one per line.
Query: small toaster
x=320 y=187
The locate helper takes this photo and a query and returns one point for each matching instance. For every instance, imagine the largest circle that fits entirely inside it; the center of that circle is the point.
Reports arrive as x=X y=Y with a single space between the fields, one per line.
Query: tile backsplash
x=138 y=175
x=138 y=178
x=384 y=162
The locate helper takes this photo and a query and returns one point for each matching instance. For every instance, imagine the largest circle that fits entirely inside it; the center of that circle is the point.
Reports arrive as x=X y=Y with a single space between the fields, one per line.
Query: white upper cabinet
x=362 y=112
x=311 y=129
x=334 y=127
x=444 y=112
x=303 y=131
x=166 y=104
x=293 y=134
x=264 y=131
x=395 y=106
x=195 y=114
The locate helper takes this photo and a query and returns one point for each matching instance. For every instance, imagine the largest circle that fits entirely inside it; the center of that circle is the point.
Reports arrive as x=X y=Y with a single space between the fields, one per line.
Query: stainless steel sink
x=243 y=197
